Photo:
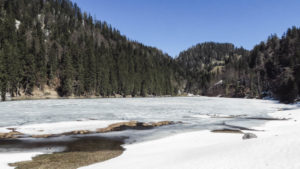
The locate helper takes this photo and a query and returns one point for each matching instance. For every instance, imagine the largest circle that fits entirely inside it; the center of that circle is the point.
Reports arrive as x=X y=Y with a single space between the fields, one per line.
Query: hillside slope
x=214 y=69
x=52 y=44
x=272 y=68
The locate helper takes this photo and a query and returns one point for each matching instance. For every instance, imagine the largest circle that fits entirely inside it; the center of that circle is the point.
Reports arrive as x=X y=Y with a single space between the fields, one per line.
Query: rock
x=249 y=136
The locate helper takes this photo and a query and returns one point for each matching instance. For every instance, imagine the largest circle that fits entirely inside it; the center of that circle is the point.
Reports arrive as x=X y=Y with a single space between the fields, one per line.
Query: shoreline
x=274 y=148
x=93 y=97
x=82 y=127
x=117 y=96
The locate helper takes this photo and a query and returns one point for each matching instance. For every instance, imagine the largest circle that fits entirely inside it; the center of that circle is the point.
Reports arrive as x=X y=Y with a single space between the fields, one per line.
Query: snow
x=20 y=113
x=47 y=33
x=36 y=117
x=276 y=148
x=219 y=83
x=17 y=24
x=152 y=149
x=4 y=130
x=7 y=158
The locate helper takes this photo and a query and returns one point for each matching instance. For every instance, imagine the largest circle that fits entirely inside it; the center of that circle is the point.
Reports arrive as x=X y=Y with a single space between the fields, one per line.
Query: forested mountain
x=272 y=68
x=51 y=43
x=51 y=46
x=206 y=66
x=276 y=64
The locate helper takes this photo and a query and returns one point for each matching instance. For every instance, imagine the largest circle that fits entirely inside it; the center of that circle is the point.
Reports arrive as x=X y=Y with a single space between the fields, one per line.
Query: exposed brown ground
x=227 y=131
x=78 y=153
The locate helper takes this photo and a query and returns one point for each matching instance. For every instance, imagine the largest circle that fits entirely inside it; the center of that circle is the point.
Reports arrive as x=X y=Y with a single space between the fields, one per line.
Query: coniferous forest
x=271 y=69
x=53 y=44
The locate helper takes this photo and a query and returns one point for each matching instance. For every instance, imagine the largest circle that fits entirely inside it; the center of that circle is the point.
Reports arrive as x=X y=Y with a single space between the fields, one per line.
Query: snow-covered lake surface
x=57 y=116
x=195 y=113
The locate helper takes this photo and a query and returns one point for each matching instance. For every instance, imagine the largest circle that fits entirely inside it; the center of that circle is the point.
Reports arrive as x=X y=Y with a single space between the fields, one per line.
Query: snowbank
x=276 y=148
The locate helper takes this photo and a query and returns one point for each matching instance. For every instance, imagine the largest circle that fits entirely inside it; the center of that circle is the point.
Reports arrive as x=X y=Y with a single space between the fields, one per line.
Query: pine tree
x=3 y=76
x=66 y=77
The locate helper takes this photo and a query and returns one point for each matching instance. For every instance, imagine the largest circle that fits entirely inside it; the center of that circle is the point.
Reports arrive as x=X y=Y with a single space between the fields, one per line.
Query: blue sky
x=175 y=25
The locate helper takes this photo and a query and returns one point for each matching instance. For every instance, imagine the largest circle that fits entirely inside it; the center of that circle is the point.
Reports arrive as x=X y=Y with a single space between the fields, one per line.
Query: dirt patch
x=78 y=153
x=227 y=131
x=133 y=125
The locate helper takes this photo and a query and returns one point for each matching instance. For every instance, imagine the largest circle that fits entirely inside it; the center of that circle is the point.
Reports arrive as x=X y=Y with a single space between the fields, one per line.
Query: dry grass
x=79 y=153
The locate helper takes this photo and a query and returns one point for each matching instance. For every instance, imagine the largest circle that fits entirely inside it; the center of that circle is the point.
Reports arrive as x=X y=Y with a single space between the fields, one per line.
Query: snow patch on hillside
x=17 y=24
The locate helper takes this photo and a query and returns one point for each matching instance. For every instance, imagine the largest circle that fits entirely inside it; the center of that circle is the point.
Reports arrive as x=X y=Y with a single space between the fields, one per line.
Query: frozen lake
x=194 y=112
